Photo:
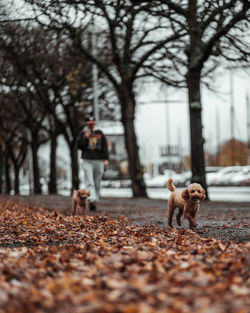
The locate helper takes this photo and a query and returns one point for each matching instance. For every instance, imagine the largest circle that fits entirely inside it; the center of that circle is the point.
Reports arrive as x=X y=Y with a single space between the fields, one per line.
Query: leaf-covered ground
x=52 y=262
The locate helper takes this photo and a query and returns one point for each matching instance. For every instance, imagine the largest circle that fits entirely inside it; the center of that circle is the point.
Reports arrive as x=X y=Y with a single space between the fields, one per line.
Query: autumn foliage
x=51 y=262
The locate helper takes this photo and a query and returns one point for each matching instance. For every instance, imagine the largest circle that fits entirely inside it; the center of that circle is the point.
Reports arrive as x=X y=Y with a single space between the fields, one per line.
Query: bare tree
x=214 y=31
x=14 y=144
x=49 y=73
x=15 y=125
x=21 y=106
x=2 y=151
x=128 y=36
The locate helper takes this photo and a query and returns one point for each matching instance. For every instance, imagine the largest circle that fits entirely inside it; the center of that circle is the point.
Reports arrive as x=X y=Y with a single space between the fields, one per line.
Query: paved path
x=224 y=220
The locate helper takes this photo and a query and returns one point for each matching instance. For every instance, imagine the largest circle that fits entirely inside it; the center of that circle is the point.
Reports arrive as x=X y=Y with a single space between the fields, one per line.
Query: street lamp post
x=30 y=162
x=248 y=121
x=232 y=117
x=168 y=132
x=95 y=75
x=248 y=128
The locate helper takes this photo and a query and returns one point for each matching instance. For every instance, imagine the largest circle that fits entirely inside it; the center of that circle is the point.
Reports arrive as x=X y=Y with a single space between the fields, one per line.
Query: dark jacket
x=95 y=147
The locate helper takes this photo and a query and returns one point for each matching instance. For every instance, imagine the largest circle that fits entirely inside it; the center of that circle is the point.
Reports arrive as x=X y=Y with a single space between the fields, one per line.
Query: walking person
x=93 y=144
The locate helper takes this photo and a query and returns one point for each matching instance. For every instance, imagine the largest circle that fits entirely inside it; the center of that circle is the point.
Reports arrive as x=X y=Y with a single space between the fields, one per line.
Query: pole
x=248 y=128
x=180 y=149
x=232 y=118
x=248 y=121
x=217 y=136
x=1 y=165
x=95 y=75
x=168 y=146
x=30 y=163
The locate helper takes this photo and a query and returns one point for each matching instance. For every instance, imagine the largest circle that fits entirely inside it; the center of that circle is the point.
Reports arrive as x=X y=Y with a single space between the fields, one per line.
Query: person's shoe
x=92 y=206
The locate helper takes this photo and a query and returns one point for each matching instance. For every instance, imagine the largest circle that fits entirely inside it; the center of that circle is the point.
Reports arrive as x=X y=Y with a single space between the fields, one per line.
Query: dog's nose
x=197 y=196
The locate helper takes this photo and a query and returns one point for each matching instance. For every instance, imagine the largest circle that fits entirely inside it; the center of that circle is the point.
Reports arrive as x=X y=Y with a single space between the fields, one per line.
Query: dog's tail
x=170 y=185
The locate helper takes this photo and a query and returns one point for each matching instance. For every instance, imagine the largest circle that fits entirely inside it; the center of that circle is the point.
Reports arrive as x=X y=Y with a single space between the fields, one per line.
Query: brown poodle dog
x=80 y=200
x=188 y=202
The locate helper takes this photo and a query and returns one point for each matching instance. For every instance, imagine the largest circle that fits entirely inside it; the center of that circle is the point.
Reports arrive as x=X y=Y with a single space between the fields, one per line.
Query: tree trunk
x=36 y=171
x=1 y=167
x=135 y=169
x=16 y=184
x=52 y=178
x=197 y=140
x=7 y=175
x=74 y=167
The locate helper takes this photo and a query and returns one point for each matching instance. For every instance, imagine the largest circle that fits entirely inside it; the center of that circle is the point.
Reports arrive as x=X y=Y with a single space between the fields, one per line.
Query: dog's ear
x=185 y=194
x=86 y=193
x=78 y=194
x=203 y=194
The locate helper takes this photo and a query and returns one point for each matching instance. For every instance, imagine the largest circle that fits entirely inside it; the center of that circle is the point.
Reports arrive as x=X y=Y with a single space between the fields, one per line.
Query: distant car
x=178 y=178
x=224 y=176
x=187 y=177
x=242 y=178
x=211 y=178
x=24 y=189
x=118 y=183
x=161 y=180
x=126 y=183
x=105 y=183
x=63 y=184
x=157 y=181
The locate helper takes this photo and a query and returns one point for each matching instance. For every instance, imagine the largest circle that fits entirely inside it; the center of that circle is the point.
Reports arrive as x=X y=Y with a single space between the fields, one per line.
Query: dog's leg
x=74 y=206
x=192 y=223
x=194 y=213
x=85 y=206
x=171 y=209
x=78 y=208
x=178 y=217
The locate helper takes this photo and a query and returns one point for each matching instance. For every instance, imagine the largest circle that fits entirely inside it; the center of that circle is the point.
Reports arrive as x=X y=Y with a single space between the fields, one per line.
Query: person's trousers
x=93 y=173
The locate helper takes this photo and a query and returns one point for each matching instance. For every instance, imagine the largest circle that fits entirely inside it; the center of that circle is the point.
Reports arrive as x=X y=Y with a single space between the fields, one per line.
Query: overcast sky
x=151 y=118
x=155 y=129
x=152 y=129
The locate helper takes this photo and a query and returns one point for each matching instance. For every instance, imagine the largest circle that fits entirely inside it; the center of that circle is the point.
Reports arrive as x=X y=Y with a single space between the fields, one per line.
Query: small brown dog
x=187 y=200
x=80 y=200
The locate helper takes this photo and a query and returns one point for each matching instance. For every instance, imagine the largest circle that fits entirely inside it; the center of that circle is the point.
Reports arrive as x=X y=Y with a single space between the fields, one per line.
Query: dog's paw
x=179 y=222
x=193 y=225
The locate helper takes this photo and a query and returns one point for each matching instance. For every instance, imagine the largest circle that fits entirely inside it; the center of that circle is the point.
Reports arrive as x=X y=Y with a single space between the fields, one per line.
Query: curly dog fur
x=187 y=200
x=80 y=200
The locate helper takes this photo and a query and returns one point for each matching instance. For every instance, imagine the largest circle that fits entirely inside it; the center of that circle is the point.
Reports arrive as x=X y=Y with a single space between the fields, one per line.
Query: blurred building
x=230 y=153
x=171 y=158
